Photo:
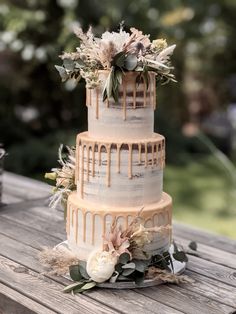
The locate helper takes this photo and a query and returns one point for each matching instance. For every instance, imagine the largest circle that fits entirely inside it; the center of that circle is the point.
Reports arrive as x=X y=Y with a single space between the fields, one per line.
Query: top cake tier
x=131 y=117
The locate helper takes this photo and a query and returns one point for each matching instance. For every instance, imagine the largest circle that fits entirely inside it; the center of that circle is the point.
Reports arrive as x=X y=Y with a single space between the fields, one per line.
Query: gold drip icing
x=108 y=147
x=99 y=154
x=84 y=225
x=130 y=162
x=82 y=172
x=118 y=157
x=72 y=217
x=93 y=160
x=77 y=163
x=97 y=102
x=104 y=224
x=93 y=228
x=155 y=93
x=139 y=153
x=88 y=158
x=124 y=99
x=152 y=155
x=146 y=155
x=145 y=93
x=134 y=95
x=156 y=154
x=68 y=220
x=76 y=225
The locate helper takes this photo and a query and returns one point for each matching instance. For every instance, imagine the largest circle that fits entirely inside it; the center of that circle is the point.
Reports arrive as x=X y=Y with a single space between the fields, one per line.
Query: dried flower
x=117 y=52
x=158 y=45
x=58 y=260
x=115 y=242
x=64 y=177
x=162 y=274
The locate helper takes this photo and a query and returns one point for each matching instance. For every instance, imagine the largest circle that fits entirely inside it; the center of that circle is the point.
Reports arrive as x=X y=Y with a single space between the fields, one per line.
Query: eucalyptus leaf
x=89 y=285
x=180 y=256
x=79 y=63
x=193 y=245
x=118 y=74
x=118 y=268
x=123 y=278
x=131 y=62
x=69 y=64
x=63 y=74
x=128 y=271
x=83 y=272
x=141 y=265
x=73 y=286
x=75 y=272
x=129 y=266
x=119 y=59
x=124 y=258
x=77 y=290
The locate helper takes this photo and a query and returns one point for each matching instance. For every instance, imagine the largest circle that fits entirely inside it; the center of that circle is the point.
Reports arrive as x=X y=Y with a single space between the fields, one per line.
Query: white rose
x=101 y=265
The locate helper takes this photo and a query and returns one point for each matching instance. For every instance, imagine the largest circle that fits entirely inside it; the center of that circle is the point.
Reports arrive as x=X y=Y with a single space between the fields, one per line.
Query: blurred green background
x=197 y=115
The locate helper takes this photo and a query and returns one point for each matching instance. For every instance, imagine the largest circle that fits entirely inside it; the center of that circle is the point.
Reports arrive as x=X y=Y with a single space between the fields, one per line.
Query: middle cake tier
x=121 y=173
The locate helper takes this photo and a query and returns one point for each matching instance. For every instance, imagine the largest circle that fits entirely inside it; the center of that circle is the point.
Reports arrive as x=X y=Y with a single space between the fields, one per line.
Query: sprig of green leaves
x=82 y=280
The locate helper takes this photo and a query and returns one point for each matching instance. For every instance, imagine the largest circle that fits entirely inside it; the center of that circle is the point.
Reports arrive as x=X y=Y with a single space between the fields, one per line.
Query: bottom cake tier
x=88 y=223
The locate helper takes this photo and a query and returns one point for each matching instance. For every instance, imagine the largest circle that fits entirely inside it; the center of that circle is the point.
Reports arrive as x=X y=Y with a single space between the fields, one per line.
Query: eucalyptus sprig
x=81 y=279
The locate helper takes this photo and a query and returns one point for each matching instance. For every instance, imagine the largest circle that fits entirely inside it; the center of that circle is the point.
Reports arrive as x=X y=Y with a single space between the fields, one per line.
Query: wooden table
x=27 y=224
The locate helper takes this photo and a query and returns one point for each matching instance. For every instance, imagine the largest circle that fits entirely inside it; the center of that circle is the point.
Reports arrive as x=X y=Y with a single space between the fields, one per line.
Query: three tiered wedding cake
x=118 y=219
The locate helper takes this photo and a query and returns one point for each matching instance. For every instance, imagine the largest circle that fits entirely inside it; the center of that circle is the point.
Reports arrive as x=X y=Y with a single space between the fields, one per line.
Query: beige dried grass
x=57 y=260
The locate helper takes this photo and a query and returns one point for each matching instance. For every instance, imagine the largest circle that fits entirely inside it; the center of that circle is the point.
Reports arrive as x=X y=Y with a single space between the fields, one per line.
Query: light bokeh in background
x=197 y=115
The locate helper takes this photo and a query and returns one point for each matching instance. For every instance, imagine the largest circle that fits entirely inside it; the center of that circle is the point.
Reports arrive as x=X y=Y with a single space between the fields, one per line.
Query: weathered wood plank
x=22 y=188
x=26 y=234
x=212 y=270
x=28 y=257
x=209 y=253
x=211 y=288
x=131 y=302
x=193 y=234
x=47 y=291
x=13 y=302
x=186 y=300
x=37 y=217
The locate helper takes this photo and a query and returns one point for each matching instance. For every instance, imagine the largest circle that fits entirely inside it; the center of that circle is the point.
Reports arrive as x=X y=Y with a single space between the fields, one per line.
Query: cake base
x=178 y=267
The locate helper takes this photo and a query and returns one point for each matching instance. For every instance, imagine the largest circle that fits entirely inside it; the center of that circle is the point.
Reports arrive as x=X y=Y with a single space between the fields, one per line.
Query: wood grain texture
x=17 y=188
x=46 y=290
x=212 y=289
x=129 y=301
x=212 y=270
x=204 y=251
x=189 y=302
x=38 y=217
x=201 y=236
x=13 y=302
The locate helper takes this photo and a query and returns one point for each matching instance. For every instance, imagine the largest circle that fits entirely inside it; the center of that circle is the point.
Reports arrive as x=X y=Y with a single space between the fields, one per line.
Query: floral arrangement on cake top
x=116 y=52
